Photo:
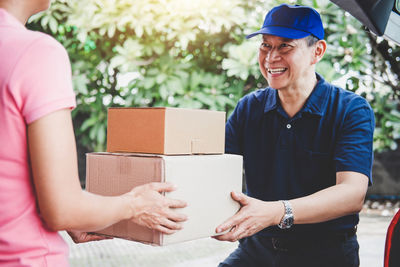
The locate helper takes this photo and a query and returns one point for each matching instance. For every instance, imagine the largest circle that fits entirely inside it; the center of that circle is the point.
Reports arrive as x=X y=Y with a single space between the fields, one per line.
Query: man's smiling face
x=284 y=62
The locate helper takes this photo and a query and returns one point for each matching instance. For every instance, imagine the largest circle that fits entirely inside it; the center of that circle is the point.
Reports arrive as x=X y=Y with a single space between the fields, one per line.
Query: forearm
x=84 y=211
x=328 y=204
x=74 y=209
x=344 y=198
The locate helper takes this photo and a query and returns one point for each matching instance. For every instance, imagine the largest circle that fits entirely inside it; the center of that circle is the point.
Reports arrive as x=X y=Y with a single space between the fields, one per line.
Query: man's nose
x=273 y=55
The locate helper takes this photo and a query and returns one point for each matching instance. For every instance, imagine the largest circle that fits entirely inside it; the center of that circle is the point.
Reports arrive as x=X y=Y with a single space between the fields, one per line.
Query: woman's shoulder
x=43 y=41
x=25 y=40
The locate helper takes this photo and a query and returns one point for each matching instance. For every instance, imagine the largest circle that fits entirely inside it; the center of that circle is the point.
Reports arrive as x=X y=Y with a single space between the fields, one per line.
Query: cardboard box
x=168 y=131
x=203 y=181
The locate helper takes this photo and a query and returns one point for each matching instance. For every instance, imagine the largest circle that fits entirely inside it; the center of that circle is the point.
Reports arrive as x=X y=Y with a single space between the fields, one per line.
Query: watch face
x=289 y=221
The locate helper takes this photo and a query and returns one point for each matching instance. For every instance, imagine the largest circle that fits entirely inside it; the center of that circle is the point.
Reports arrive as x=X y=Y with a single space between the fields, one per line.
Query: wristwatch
x=287 y=219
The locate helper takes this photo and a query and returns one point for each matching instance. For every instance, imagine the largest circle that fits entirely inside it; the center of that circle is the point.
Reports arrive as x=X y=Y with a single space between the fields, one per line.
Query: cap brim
x=281 y=32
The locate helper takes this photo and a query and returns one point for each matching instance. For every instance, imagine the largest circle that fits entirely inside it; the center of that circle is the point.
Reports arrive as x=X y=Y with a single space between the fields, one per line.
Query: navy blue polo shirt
x=287 y=158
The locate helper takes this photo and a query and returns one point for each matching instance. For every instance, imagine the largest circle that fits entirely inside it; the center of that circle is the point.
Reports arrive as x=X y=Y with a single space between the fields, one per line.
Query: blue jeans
x=260 y=251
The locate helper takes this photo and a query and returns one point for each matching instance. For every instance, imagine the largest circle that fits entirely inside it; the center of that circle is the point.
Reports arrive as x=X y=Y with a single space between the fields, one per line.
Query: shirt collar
x=271 y=101
x=315 y=103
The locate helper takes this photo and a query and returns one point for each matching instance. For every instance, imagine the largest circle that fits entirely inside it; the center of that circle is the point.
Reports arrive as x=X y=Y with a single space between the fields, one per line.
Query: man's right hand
x=253 y=216
x=153 y=210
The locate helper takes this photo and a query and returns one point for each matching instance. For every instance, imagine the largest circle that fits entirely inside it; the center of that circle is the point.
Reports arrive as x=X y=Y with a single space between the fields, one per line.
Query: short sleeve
x=41 y=79
x=354 y=151
x=233 y=132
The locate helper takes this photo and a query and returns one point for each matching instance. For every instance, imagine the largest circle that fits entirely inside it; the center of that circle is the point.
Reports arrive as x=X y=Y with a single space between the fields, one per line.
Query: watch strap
x=288 y=207
x=287 y=219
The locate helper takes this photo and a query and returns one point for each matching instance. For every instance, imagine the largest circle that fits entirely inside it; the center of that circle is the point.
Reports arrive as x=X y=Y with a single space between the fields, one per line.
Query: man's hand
x=253 y=216
x=82 y=237
x=153 y=210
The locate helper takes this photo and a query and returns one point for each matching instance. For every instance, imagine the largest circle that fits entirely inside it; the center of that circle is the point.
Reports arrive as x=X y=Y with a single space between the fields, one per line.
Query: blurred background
x=180 y=53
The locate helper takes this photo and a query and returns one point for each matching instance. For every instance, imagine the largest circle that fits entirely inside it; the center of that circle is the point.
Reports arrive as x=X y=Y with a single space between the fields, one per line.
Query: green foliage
x=386 y=112
x=193 y=54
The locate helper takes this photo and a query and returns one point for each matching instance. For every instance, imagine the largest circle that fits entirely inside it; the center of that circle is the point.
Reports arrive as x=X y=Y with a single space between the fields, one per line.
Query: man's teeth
x=276 y=70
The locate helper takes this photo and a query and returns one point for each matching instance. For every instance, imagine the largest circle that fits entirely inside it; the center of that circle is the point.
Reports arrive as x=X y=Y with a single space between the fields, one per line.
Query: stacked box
x=181 y=146
x=167 y=131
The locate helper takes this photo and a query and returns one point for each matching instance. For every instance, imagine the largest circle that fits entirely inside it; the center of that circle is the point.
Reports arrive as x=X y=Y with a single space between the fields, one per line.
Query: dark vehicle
x=382 y=17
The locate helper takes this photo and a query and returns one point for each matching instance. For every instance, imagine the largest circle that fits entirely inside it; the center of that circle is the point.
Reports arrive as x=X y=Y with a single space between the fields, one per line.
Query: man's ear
x=319 y=51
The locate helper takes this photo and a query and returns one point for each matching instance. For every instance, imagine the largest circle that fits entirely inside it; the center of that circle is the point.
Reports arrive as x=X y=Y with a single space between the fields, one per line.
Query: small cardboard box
x=168 y=131
x=203 y=181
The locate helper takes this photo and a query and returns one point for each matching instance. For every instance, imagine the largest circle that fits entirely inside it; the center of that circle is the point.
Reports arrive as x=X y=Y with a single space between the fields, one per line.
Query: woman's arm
x=65 y=206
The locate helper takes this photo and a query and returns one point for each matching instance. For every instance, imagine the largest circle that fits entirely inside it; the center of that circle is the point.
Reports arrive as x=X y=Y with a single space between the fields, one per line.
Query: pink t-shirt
x=35 y=80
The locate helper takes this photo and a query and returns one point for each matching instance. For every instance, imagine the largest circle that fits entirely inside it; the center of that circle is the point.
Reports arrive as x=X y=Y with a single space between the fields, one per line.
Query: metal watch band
x=287 y=219
x=288 y=207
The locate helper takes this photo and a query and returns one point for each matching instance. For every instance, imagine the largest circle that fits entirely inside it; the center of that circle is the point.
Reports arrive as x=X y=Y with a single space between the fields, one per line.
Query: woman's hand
x=153 y=210
x=83 y=237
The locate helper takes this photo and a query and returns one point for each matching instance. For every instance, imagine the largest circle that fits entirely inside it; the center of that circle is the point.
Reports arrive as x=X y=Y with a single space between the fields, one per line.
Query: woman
x=39 y=184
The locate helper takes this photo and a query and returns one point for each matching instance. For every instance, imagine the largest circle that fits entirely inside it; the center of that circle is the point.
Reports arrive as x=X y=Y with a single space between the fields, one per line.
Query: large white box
x=204 y=182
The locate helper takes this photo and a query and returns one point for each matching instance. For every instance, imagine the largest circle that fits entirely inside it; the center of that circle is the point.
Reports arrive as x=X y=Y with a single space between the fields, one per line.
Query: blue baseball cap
x=292 y=21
